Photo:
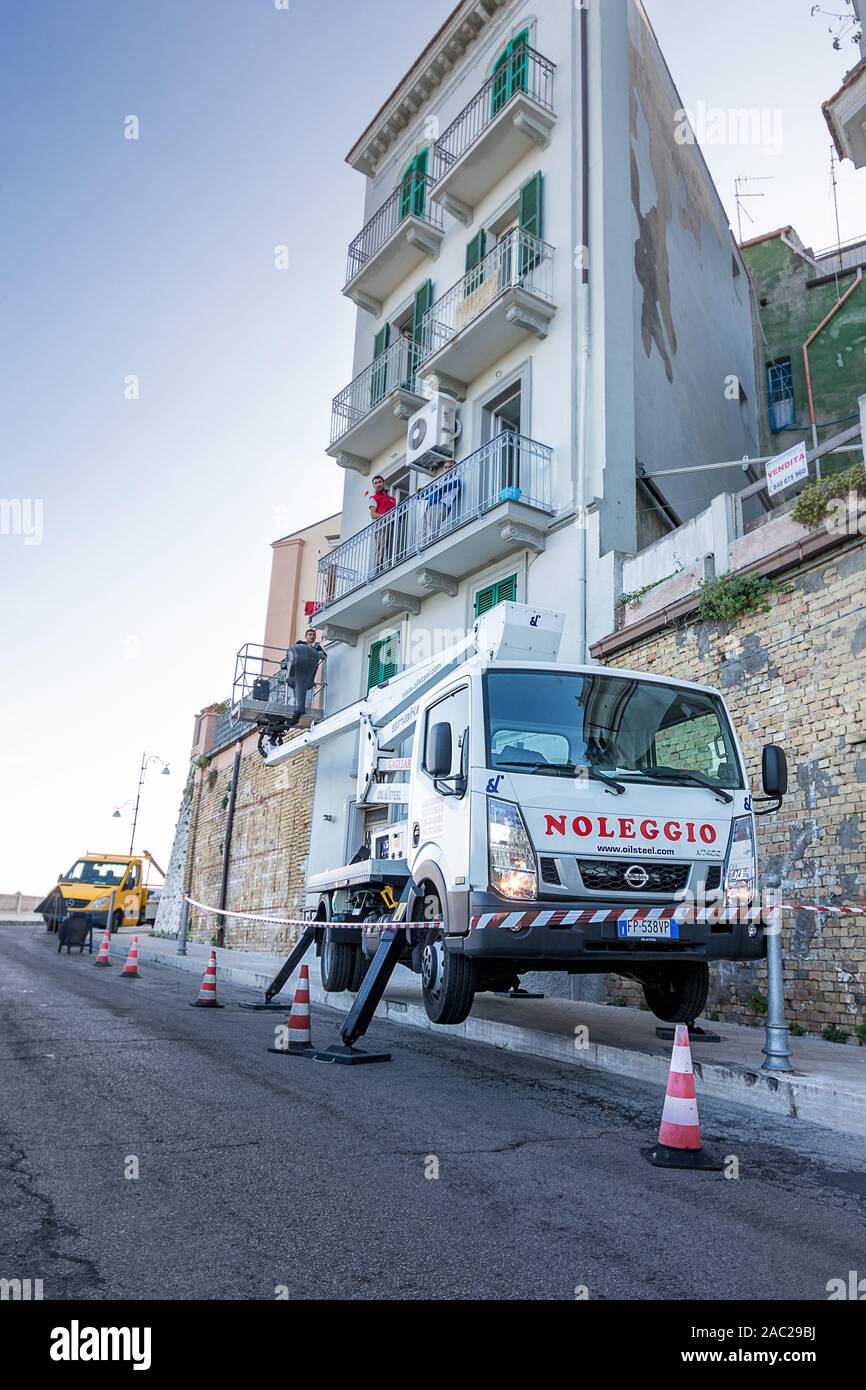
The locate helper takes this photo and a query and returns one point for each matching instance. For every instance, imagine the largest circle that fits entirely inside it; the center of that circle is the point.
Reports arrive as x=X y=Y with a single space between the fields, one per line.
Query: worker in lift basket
x=300 y=664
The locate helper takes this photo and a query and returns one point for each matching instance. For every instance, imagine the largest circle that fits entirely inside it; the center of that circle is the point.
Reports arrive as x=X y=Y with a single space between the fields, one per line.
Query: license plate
x=647 y=928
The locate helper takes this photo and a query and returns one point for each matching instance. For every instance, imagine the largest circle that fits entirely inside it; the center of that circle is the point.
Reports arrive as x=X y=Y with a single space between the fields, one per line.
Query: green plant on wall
x=724 y=599
x=813 y=504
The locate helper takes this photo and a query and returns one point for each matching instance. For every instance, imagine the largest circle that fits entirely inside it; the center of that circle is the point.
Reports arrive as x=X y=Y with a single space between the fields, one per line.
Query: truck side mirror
x=438 y=759
x=774 y=770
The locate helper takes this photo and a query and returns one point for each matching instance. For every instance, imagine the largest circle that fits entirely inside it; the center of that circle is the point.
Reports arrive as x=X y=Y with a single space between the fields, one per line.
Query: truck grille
x=714 y=877
x=605 y=875
x=75 y=902
x=549 y=871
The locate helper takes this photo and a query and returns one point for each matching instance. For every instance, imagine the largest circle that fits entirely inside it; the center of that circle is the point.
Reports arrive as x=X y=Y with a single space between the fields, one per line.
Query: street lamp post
x=145 y=760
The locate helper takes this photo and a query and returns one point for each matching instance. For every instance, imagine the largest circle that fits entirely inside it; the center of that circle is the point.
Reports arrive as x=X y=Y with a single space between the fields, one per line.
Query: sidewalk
x=828 y=1087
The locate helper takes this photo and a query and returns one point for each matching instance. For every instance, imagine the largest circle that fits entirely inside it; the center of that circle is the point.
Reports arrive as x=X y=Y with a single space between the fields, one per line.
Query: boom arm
x=510 y=632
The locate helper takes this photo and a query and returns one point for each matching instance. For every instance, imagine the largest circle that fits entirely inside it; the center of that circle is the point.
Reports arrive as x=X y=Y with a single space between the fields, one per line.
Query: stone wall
x=270 y=839
x=794 y=676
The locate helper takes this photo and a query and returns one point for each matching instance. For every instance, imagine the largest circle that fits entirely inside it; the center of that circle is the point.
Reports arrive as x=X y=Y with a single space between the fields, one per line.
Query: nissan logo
x=636 y=876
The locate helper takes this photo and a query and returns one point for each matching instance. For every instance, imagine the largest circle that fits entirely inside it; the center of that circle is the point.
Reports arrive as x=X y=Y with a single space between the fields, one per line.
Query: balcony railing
x=510 y=468
x=524 y=71
x=518 y=260
x=395 y=367
x=410 y=199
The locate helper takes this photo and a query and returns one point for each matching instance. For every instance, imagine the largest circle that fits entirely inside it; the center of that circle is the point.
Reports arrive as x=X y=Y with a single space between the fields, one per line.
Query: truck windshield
x=96 y=872
x=553 y=723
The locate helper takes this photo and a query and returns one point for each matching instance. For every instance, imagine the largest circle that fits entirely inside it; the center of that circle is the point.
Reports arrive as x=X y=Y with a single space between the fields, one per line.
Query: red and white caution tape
x=309 y=921
x=844 y=911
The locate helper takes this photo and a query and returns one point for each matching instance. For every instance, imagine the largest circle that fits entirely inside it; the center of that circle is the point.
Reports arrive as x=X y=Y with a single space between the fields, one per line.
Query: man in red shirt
x=381 y=503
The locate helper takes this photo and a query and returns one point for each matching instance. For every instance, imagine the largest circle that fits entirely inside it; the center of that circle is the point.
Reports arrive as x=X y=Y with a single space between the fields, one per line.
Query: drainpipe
x=584 y=349
x=227 y=844
x=808 y=343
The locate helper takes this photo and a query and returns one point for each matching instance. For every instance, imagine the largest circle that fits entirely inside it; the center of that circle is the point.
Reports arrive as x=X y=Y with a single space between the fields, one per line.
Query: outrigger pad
x=662 y=1156
x=349 y=1056
x=294 y=1050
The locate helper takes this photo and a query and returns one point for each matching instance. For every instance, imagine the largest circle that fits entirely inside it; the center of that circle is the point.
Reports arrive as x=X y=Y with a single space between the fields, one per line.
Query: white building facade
x=550 y=296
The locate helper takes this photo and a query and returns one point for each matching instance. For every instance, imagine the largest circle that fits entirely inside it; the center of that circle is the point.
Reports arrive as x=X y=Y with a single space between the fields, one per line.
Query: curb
x=797 y=1097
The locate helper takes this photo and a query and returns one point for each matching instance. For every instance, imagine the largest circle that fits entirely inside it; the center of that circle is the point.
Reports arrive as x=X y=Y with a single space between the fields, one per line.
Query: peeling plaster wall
x=693 y=314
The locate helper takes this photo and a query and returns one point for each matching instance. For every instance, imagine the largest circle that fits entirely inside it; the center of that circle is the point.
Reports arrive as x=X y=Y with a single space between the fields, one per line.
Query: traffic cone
x=207 y=994
x=679 y=1142
x=299 y=1039
x=130 y=969
x=103 y=957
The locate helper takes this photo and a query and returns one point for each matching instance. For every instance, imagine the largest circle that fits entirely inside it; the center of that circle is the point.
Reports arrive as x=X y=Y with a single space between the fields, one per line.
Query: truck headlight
x=740 y=873
x=99 y=904
x=512 y=858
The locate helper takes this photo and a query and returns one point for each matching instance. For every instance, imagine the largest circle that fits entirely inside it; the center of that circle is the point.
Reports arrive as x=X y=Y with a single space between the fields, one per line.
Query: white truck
x=560 y=818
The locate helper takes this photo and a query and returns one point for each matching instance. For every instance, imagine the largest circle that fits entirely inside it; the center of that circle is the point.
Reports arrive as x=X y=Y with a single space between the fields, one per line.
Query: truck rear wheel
x=678 y=993
x=338 y=963
x=447 y=981
x=360 y=965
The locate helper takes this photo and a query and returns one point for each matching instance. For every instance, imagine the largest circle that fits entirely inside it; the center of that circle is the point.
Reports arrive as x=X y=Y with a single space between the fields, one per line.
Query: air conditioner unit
x=432 y=432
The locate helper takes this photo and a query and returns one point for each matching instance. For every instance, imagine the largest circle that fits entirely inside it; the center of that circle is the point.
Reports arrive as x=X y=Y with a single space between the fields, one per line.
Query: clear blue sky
x=155 y=258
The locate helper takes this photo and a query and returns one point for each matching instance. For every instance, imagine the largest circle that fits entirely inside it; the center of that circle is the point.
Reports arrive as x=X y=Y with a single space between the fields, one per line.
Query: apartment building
x=551 y=307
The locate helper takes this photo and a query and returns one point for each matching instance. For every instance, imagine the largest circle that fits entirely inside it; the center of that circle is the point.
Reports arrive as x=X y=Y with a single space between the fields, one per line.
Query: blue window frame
x=780 y=395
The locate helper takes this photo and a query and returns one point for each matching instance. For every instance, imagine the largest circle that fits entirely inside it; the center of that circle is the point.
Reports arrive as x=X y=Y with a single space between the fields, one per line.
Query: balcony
x=507 y=296
x=510 y=115
x=371 y=413
x=497 y=500
x=406 y=230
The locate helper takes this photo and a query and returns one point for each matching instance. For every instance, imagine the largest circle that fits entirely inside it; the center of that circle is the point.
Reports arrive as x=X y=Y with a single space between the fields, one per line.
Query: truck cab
x=111 y=888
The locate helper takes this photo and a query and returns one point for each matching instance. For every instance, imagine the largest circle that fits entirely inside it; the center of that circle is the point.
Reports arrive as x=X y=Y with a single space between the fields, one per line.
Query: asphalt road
x=258 y=1172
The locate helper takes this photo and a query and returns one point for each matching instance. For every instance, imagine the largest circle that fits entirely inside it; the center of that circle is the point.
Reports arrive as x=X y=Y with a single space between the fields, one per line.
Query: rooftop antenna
x=739 y=197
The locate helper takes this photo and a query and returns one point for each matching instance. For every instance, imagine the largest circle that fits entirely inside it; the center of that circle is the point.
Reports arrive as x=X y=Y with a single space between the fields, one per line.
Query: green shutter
x=379 y=374
x=510 y=71
x=505 y=591
x=474 y=256
x=423 y=300
x=413 y=186
x=383 y=660
x=475 y=249
x=530 y=222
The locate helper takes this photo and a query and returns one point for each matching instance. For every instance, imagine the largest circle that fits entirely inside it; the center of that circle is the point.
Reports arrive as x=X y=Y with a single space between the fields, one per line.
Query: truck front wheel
x=338 y=964
x=116 y=920
x=678 y=993
x=447 y=981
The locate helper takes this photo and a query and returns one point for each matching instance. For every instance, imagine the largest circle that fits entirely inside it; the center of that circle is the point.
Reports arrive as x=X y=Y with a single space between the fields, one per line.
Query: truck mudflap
x=606 y=933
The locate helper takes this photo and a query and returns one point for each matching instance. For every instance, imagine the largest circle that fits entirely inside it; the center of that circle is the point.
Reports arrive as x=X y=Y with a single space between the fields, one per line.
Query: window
x=503 y=591
x=630 y=729
x=510 y=71
x=132 y=879
x=780 y=394
x=413 y=186
x=453 y=709
x=384 y=659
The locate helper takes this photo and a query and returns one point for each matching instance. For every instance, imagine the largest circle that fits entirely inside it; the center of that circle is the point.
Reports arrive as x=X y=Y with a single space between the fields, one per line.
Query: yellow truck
x=112 y=889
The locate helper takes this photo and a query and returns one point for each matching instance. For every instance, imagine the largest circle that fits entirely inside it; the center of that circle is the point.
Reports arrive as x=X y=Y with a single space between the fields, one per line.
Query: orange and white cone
x=104 y=958
x=679 y=1142
x=207 y=994
x=130 y=969
x=299 y=1041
